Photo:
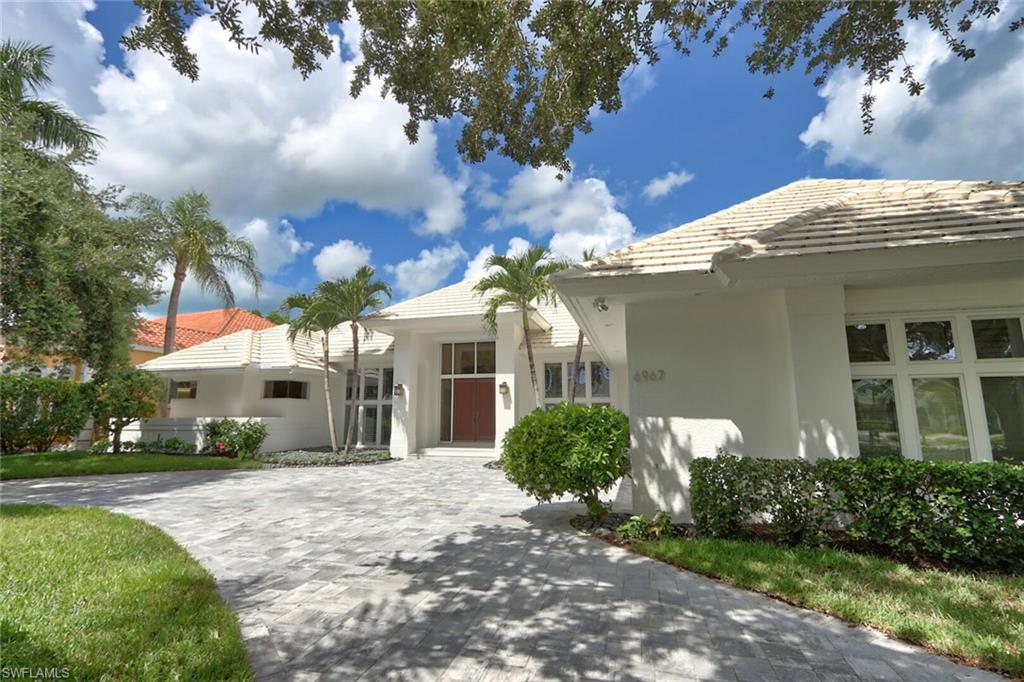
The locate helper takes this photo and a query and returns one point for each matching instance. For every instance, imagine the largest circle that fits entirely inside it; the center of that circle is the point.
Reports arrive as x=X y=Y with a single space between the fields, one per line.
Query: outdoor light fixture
x=503 y=388
x=600 y=305
x=399 y=390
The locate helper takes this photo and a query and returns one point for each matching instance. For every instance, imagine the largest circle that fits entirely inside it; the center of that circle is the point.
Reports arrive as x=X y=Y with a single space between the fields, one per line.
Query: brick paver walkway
x=440 y=569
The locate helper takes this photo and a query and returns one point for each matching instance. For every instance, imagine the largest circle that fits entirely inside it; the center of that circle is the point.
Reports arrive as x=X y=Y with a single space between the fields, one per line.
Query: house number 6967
x=649 y=375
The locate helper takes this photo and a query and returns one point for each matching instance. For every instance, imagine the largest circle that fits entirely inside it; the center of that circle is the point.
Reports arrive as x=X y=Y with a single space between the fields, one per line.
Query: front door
x=474 y=410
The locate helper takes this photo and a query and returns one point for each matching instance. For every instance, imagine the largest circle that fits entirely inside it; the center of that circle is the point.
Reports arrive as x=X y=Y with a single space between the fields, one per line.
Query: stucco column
x=404 y=410
x=506 y=348
x=826 y=426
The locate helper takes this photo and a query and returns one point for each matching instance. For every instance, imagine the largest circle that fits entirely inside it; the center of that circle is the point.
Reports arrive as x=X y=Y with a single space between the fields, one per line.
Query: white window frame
x=379 y=403
x=587 y=397
x=967 y=368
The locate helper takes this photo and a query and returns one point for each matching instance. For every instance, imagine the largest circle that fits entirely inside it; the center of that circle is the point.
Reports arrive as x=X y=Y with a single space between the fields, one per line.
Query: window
x=553 y=380
x=867 y=342
x=930 y=341
x=371 y=386
x=465 y=358
x=941 y=425
x=998 y=338
x=446 y=410
x=183 y=390
x=375 y=389
x=593 y=383
x=1004 y=413
x=600 y=381
x=579 y=375
x=446 y=358
x=369 y=424
x=285 y=389
x=874 y=405
x=485 y=358
x=956 y=394
x=385 y=425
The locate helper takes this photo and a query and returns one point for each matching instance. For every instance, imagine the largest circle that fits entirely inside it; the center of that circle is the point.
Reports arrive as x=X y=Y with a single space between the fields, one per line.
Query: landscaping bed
x=974 y=618
x=89 y=595
x=323 y=457
x=49 y=464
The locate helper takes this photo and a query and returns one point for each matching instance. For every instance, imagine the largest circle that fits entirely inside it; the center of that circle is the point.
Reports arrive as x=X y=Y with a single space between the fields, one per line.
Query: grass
x=99 y=595
x=976 y=619
x=46 y=464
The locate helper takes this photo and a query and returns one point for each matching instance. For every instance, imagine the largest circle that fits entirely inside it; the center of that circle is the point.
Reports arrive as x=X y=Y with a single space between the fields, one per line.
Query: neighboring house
x=191 y=329
x=828 y=318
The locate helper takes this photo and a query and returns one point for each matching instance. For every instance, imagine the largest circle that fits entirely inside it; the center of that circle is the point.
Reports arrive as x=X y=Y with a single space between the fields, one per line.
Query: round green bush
x=568 y=449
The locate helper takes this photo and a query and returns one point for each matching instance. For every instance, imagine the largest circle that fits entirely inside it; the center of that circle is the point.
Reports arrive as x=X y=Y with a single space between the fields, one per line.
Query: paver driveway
x=441 y=569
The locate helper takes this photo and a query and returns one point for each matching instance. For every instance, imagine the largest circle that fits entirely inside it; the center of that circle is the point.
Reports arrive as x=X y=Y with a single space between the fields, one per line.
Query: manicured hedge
x=968 y=515
x=37 y=412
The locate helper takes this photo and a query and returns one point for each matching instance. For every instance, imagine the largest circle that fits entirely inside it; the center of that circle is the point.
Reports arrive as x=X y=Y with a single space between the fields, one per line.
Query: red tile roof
x=195 y=328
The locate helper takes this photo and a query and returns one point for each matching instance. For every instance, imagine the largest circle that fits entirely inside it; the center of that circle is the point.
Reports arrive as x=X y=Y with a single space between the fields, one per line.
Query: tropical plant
x=519 y=281
x=37 y=412
x=569 y=449
x=588 y=254
x=232 y=437
x=526 y=77
x=125 y=396
x=24 y=70
x=319 y=313
x=194 y=243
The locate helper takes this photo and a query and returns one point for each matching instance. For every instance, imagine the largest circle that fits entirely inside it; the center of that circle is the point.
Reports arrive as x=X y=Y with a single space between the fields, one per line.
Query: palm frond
x=53 y=126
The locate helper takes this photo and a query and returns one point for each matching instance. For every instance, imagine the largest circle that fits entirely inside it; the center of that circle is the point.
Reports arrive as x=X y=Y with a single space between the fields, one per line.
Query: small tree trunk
x=353 y=409
x=327 y=392
x=116 y=432
x=529 y=355
x=170 y=327
x=575 y=368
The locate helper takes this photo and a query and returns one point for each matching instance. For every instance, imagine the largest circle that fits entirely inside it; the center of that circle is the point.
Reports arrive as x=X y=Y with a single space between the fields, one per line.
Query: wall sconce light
x=399 y=390
x=600 y=305
x=503 y=388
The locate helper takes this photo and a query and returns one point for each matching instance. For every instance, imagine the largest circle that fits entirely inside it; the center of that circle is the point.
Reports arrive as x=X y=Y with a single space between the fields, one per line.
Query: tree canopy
x=526 y=76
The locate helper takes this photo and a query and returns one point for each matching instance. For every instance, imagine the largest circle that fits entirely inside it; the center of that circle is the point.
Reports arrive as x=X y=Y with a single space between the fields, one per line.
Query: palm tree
x=519 y=281
x=191 y=240
x=24 y=70
x=359 y=299
x=320 y=311
x=588 y=254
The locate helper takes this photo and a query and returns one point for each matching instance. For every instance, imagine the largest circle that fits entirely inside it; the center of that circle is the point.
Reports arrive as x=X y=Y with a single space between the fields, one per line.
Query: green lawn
x=47 y=464
x=105 y=596
x=979 y=620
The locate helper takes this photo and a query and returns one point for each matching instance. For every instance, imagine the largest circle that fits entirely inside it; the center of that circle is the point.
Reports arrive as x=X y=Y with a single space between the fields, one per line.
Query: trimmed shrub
x=960 y=514
x=40 y=412
x=569 y=449
x=640 y=527
x=100 y=447
x=234 y=438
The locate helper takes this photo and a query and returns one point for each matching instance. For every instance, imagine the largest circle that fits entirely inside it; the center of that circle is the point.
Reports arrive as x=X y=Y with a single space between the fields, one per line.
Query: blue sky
x=322 y=183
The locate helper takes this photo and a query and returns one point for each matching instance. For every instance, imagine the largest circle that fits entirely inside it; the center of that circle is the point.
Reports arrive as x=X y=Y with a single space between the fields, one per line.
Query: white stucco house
x=827 y=318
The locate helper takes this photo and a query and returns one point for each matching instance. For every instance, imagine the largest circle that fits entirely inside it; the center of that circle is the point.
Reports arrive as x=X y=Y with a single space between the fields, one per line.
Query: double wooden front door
x=474 y=410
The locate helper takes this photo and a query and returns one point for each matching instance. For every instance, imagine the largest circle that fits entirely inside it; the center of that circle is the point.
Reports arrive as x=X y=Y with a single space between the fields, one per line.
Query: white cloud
x=966 y=124
x=250 y=132
x=275 y=247
x=340 y=259
x=77 y=46
x=578 y=213
x=477 y=268
x=660 y=186
x=415 y=276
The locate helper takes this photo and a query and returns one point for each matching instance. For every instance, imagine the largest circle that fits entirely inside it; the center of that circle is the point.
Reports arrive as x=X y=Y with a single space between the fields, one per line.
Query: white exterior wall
x=727 y=384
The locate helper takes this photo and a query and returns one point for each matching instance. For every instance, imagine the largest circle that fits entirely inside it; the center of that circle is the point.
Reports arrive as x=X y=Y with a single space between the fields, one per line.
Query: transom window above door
x=468 y=358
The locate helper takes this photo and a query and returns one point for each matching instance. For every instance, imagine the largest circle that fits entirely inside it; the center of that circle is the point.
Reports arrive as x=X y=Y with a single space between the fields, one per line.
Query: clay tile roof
x=827 y=216
x=195 y=328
